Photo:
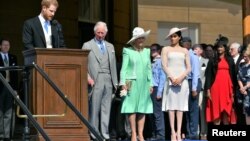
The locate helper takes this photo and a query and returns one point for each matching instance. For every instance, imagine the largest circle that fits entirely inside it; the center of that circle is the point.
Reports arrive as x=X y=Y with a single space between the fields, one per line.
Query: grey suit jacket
x=203 y=66
x=94 y=60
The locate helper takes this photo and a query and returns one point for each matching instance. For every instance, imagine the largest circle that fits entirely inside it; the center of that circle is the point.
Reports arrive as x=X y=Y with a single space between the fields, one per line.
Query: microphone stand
x=58 y=36
x=26 y=132
x=58 y=29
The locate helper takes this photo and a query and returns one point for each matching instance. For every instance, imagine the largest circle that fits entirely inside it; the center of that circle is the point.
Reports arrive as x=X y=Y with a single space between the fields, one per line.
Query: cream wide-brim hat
x=138 y=32
x=174 y=30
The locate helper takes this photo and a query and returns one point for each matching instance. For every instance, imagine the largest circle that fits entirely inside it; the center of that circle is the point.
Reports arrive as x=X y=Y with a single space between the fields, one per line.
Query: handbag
x=128 y=84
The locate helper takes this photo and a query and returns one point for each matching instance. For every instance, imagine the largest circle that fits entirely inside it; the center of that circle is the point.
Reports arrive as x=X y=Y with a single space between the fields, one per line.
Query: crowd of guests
x=178 y=89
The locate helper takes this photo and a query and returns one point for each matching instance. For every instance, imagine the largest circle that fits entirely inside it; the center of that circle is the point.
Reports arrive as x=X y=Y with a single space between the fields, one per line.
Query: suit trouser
x=203 y=122
x=238 y=105
x=158 y=116
x=100 y=104
x=6 y=107
x=192 y=115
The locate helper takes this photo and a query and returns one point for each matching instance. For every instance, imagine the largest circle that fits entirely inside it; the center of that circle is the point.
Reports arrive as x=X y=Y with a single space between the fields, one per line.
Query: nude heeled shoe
x=138 y=139
x=179 y=136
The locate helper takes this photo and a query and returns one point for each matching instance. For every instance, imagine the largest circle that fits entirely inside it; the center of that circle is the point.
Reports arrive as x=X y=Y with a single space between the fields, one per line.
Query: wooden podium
x=67 y=68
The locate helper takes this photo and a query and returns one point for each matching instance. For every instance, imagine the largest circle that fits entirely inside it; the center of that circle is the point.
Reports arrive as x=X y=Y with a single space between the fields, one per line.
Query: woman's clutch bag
x=128 y=84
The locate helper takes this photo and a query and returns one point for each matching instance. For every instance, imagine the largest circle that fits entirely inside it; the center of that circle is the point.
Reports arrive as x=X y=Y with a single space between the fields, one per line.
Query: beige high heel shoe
x=178 y=136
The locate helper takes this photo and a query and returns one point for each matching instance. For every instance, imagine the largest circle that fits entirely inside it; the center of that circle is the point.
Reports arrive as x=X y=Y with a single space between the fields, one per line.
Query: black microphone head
x=57 y=24
x=54 y=22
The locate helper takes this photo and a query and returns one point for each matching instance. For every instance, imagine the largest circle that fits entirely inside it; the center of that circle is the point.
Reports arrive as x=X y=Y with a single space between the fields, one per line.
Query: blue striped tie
x=46 y=26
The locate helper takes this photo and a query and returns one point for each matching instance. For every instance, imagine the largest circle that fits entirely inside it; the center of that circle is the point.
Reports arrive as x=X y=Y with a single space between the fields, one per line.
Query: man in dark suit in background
x=43 y=31
x=235 y=49
x=6 y=99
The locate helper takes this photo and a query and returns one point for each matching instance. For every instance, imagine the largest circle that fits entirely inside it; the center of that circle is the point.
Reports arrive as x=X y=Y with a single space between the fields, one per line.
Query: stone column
x=246 y=21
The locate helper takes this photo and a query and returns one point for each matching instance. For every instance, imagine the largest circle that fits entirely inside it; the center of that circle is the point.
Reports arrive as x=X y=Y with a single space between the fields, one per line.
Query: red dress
x=221 y=93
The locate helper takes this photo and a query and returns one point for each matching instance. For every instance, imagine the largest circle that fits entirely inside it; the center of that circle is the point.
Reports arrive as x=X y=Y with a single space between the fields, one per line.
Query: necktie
x=102 y=48
x=6 y=63
x=5 y=59
x=46 y=26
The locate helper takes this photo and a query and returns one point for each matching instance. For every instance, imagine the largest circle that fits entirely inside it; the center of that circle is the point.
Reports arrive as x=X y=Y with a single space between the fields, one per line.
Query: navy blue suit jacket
x=33 y=36
x=13 y=74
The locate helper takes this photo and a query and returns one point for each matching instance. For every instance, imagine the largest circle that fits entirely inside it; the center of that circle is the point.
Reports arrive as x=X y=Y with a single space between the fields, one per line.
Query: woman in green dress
x=136 y=81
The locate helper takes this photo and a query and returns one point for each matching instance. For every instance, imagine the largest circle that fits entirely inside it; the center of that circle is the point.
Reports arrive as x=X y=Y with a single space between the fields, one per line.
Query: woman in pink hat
x=176 y=64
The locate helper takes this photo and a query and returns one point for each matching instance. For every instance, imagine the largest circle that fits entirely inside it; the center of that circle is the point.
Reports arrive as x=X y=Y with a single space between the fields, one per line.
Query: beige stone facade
x=209 y=18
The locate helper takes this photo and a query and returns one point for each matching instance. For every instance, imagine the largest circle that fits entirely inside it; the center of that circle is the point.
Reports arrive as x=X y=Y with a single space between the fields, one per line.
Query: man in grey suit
x=202 y=98
x=102 y=78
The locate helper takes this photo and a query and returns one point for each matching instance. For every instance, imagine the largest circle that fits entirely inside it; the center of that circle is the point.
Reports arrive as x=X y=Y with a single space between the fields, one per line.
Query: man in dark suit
x=102 y=78
x=235 y=49
x=43 y=31
x=6 y=99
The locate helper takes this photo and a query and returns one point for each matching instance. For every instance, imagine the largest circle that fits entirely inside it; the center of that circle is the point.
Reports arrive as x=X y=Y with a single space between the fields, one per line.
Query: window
x=91 y=10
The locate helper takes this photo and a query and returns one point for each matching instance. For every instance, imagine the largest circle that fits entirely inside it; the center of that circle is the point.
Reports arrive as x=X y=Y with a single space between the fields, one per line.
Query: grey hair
x=235 y=45
x=101 y=23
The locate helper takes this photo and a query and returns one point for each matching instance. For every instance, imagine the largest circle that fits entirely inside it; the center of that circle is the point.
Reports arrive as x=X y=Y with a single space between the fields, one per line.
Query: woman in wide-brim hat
x=138 y=32
x=175 y=30
x=176 y=64
x=136 y=80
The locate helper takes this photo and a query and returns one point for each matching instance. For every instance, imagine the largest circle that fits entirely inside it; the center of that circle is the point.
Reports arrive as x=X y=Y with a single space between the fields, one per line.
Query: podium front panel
x=67 y=68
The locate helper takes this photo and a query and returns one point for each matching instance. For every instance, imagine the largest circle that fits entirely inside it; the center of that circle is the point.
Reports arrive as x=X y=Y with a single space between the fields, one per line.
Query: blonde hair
x=47 y=3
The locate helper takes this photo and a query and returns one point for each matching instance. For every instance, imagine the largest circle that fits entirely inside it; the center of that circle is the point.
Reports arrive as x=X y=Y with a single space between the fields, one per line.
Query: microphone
x=57 y=24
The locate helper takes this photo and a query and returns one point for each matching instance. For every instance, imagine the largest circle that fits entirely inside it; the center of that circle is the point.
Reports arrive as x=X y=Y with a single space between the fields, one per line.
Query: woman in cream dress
x=176 y=64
